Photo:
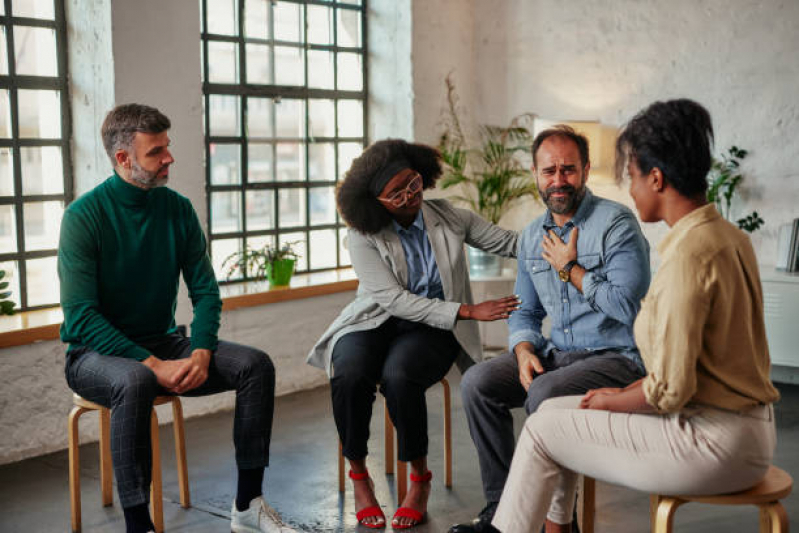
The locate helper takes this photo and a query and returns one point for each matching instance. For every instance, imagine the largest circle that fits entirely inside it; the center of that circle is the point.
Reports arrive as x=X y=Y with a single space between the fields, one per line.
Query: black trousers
x=129 y=388
x=405 y=359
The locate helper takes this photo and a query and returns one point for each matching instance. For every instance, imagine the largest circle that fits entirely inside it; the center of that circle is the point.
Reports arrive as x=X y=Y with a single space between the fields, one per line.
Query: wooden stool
x=776 y=485
x=106 y=471
x=402 y=467
x=766 y=495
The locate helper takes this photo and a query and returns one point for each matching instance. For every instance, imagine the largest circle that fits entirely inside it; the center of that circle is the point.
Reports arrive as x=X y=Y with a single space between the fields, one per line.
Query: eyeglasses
x=400 y=198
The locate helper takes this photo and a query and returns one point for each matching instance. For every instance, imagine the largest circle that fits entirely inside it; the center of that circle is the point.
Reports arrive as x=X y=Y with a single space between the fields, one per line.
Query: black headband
x=384 y=175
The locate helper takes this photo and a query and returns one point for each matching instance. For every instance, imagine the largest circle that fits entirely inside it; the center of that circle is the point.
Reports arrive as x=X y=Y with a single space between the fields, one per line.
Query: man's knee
x=256 y=362
x=542 y=388
x=138 y=383
x=475 y=384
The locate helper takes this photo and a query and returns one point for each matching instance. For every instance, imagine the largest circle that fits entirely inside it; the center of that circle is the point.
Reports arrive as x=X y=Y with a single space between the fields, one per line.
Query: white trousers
x=700 y=450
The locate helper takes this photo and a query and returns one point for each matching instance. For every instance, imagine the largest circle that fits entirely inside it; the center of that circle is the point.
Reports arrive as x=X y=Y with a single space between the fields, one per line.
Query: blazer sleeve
x=486 y=236
x=378 y=281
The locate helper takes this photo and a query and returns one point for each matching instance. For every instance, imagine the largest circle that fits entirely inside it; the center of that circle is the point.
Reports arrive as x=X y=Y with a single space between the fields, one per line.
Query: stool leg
x=388 y=437
x=654 y=501
x=664 y=518
x=74 y=466
x=180 y=452
x=156 y=495
x=588 y=504
x=106 y=470
x=340 y=467
x=402 y=480
x=447 y=434
x=777 y=517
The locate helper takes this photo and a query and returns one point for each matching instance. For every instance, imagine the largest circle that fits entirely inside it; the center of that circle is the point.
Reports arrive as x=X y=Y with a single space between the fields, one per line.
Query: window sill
x=29 y=327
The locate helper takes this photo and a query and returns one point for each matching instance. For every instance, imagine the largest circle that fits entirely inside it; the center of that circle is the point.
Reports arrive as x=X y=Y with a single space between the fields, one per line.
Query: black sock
x=250 y=486
x=137 y=519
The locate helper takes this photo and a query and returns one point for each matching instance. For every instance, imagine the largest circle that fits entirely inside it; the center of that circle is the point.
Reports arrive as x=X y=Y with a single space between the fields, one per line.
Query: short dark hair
x=565 y=132
x=675 y=136
x=357 y=204
x=123 y=123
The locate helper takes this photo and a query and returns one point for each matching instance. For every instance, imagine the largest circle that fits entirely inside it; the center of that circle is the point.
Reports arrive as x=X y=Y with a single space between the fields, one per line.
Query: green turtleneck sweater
x=120 y=257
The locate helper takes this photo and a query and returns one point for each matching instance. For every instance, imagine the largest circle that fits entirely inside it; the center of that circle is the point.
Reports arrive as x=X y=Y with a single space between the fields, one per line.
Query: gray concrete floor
x=301 y=483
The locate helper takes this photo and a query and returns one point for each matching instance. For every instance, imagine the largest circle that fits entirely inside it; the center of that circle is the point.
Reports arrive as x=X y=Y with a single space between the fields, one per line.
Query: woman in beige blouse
x=701 y=421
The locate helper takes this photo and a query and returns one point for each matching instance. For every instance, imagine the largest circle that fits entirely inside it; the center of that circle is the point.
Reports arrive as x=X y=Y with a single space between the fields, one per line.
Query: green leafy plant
x=723 y=181
x=492 y=171
x=258 y=261
x=6 y=305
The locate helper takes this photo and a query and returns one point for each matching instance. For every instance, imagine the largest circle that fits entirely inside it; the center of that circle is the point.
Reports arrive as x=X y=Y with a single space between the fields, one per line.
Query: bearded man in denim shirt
x=585 y=265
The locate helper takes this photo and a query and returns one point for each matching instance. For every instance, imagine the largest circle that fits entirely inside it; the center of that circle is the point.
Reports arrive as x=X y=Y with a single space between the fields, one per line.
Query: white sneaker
x=258 y=518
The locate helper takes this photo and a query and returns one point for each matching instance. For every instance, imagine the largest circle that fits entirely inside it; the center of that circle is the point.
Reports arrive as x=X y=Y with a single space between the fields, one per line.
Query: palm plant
x=493 y=171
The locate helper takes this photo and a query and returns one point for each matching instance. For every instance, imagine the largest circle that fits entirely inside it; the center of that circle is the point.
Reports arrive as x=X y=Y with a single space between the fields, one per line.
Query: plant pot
x=279 y=272
x=483 y=264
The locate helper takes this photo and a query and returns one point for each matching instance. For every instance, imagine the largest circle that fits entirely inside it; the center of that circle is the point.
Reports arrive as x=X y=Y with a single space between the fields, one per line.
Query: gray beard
x=566 y=205
x=146 y=178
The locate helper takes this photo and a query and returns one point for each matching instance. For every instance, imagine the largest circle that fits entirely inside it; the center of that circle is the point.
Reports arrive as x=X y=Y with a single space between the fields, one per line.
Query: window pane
x=38 y=9
x=225 y=164
x=344 y=253
x=350 y=118
x=349 y=28
x=256 y=18
x=350 y=72
x=3 y=53
x=225 y=212
x=347 y=152
x=259 y=64
x=221 y=17
x=260 y=210
x=320 y=25
x=6 y=172
x=42 y=170
x=299 y=245
x=10 y=268
x=290 y=162
x=259 y=117
x=321 y=118
x=224 y=115
x=256 y=243
x=42 y=222
x=323 y=249
x=35 y=52
x=320 y=69
x=5 y=115
x=290 y=118
x=322 y=205
x=221 y=249
x=259 y=163
x=288 y=21
x=292 y=207
x=289 y=66
x=223 y=62
x=39 y=113
x=43 y=286
x=8 y=230
x=321 y=162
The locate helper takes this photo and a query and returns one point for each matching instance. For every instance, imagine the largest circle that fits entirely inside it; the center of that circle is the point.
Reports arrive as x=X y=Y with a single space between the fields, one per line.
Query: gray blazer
x=379 y=262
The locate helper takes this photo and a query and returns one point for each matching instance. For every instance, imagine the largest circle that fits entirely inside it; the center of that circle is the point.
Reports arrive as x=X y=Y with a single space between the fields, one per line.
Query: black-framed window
x=35 y=162
x=284 y=84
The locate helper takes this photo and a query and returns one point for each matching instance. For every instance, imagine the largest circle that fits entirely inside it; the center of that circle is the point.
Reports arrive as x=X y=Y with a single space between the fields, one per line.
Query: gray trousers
x=129 y=388
x=492 y=388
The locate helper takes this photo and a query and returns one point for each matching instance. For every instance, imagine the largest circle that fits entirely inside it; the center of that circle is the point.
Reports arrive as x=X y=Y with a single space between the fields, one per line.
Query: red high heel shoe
x=407 y=512
x=368 y=512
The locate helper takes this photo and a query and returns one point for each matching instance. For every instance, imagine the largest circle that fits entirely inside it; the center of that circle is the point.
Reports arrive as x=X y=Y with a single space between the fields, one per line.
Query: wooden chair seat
x=402 y=468
x=82 y=405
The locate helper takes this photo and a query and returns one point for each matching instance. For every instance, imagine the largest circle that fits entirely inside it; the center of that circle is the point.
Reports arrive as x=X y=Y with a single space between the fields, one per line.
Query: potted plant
x=275 y=264
x=492 y=174
x=723 y=180
x=6 y=305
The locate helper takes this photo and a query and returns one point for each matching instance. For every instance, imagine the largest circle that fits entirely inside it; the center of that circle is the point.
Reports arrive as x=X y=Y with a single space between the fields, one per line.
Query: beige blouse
x=700 y=329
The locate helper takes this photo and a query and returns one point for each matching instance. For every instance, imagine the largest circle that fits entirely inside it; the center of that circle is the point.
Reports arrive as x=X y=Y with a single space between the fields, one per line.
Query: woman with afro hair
x=412 y=316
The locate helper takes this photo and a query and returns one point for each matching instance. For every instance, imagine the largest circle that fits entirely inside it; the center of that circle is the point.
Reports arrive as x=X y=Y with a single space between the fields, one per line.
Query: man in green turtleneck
x=123 y=247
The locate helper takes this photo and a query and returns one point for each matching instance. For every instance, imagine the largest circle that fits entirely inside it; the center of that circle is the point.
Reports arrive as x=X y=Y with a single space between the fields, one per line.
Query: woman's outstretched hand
x=489 y=310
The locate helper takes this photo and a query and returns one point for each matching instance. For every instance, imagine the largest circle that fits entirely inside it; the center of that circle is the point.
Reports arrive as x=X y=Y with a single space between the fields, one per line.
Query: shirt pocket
x=590 y=261
x=541 y=275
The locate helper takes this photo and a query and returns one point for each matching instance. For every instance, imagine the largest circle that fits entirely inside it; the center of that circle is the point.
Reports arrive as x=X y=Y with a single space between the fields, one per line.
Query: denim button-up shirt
x=614 y=253
x=423 y=276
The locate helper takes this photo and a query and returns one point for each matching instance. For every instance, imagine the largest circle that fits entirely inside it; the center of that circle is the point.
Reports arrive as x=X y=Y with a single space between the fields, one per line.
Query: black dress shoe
x=481 y=524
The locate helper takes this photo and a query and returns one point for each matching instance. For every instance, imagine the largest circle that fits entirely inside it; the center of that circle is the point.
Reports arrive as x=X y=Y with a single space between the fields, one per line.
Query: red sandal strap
x=407 y=512
x=359 y=477
x=424 y=478
x=369 y=512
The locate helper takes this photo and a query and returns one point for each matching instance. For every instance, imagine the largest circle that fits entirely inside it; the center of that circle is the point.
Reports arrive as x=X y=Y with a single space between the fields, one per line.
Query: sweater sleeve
x=77 y=272
x=198 y=273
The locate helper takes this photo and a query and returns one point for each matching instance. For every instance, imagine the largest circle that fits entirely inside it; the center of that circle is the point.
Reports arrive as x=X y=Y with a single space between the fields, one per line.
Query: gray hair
x=123 y=123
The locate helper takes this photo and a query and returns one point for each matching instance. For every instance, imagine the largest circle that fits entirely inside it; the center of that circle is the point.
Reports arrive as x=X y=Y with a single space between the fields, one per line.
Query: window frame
x=303 y=93
x=13 y=83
